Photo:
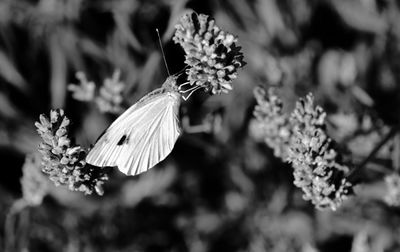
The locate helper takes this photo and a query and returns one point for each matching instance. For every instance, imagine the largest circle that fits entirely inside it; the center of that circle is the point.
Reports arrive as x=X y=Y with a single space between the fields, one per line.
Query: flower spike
x=211 y=53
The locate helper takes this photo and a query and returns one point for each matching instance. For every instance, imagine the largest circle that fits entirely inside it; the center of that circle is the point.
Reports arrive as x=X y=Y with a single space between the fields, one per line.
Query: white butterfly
x=143 y=135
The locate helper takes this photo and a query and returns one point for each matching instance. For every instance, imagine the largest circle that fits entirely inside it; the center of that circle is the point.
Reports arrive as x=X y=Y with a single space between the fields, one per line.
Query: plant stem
x=9 y=227
x=353 y=174
x=396 y=153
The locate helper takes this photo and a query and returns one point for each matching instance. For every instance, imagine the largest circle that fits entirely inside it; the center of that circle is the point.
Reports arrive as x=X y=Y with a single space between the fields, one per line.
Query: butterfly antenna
x=162 y=51
x=182 y=70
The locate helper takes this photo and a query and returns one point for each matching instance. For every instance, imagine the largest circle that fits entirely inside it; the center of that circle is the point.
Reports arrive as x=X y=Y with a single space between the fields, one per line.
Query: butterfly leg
x=193 y=89
x=182 y=85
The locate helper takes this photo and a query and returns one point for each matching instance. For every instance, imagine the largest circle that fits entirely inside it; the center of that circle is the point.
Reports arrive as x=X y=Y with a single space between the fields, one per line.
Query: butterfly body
x=143 y=135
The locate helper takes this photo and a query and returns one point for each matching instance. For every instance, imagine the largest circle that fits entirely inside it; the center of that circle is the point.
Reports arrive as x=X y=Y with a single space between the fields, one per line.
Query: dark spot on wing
x=123 y=140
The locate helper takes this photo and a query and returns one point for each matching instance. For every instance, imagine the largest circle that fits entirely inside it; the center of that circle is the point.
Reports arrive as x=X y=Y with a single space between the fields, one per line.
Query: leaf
x=358 y=17
x=10 y=73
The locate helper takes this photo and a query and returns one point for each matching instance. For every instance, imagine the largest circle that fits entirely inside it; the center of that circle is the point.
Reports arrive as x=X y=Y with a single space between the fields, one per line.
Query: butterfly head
x=170 y=84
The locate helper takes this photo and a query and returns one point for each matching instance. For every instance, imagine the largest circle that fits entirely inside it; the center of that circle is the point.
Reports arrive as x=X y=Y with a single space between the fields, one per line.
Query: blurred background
x=221 y=188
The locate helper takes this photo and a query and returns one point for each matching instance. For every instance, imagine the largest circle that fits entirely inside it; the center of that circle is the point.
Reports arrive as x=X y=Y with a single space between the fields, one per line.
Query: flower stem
x=353 y=174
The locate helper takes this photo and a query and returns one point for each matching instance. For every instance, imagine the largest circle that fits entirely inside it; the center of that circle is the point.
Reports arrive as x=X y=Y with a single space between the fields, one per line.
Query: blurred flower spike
x=85 y=90
x=108 y=98
x=64 y=162
x=392 y=196
x=110 y=94
x=34 y=183
x=272 y=121
x=211 y=53
x=317 y=166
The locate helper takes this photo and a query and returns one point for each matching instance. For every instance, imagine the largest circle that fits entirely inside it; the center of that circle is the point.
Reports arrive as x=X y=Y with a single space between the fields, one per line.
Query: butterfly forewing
x=141 y=137
x=108 y=147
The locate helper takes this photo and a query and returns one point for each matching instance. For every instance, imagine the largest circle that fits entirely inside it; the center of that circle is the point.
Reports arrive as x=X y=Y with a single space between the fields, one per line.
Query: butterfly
x=143 y=135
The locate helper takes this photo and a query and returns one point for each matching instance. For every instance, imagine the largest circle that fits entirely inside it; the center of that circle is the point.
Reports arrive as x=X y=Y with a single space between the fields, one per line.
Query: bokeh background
x=221 y=189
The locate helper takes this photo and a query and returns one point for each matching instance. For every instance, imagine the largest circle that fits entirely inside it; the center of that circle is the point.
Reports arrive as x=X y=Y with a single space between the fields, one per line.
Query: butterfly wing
x=141 y=137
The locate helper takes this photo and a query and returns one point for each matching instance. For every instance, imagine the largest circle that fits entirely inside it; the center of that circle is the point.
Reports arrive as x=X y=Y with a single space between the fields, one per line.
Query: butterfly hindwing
x=153 y=139
x=141 y=137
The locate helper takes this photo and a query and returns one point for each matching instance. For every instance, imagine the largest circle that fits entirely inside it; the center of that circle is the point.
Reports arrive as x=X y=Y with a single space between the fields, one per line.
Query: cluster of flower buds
x=64 y=162
x=318 y=169
x=211 y=53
